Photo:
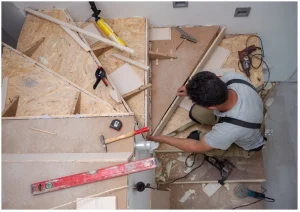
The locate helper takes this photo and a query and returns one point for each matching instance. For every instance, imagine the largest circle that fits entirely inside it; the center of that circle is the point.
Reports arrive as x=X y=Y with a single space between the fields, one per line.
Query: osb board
x=62 y=54
x=169 y=75
x=133 y=31
x=235 y=43
x=41 y=92
x=73 y=135
x=222 y=199
x=247 y=170
x=17 y=178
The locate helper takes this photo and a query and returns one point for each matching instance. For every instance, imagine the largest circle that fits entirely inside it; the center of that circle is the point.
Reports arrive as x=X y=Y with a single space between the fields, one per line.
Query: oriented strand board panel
x=247 y=170
x=62 y=54
x=233 y=43
x=133 y=31
x=73 y=135
x=41 y=91
x=17 y=178
x=169 y=75
x=236 y=43
x=224 y=198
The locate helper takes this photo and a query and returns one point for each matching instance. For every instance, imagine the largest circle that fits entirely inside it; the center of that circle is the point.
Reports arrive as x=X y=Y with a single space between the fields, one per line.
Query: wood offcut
x=11 y=109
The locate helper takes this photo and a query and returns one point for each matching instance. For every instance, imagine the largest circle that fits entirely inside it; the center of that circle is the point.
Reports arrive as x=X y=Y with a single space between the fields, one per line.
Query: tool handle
x=96 y=83
x=127 y=135
x=105 y=81
x=145 y=129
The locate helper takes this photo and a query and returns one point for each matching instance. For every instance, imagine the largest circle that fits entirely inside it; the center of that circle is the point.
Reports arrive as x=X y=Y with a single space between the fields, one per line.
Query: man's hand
x=181 y=91
x=154 y=138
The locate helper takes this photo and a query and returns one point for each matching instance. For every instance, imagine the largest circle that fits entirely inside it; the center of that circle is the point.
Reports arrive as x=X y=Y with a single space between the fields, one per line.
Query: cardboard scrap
x=211 y=188
x=217 y=59
x=125 y=79
x=160 y=34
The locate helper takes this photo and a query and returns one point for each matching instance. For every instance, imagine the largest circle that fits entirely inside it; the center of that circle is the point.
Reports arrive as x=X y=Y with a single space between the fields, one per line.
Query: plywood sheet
x=223 y=199
x=247 y=170
x=16 y=189
x=73 y=135
x=41 y=91
x=133 y=31
x=169 y=75
x=62 y=54
x=125 y=79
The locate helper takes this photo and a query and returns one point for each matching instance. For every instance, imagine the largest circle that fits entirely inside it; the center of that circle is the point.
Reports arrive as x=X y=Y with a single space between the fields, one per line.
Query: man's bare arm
x=185 y=144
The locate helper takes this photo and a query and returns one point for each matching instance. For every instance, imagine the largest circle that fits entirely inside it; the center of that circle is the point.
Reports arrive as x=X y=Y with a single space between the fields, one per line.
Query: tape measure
x=116 y=124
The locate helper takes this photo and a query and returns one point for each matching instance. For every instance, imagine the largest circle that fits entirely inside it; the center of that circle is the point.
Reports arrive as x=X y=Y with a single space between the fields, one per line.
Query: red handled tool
x=100 y=74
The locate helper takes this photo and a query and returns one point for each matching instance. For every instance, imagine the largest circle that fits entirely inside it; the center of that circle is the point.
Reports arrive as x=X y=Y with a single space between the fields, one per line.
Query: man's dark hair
x=206 y=89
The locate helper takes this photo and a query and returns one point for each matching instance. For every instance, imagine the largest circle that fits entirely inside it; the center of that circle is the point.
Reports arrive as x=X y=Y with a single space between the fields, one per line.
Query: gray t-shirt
x=249 y=108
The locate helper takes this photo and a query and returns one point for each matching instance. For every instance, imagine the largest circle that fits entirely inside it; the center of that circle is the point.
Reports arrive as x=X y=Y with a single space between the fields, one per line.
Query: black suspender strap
x=241 y=82
x=239 y=123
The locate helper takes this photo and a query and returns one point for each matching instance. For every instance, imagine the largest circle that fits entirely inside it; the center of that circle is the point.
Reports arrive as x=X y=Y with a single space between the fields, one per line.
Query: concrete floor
x=280 y=154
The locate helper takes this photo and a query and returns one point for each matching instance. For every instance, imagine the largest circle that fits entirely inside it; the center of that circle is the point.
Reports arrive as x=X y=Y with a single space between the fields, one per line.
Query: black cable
x=261 y=59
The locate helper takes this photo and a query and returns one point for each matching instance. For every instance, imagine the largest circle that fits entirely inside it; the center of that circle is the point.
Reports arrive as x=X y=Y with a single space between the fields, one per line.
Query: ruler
x=93 y=176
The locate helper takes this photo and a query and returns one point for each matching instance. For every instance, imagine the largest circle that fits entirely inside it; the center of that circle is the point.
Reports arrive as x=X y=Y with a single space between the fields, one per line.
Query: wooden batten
x=76 y=105
x=157 y=55
x=136 y=91
x=11 y=109
x=30 y=51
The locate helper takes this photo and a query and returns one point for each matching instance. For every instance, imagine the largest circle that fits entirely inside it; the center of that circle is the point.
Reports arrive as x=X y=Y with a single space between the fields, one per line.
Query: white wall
x=275 y=22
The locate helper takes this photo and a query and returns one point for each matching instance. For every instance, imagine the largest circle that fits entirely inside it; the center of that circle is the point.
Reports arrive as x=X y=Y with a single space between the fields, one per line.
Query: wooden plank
x=224 y=198
x=147 y=74
x=44 y=92
x=3 y=92
x=77 y=39
x=159 y=124
x=131 y=62
x=64 y=55
x=247 y=169
x=157 y=55
x=108 y=203
x=76 y=105
x=159 y=199
x=164 y=82
x=136 y=91
x=17 y=195
x=11 y=109
x=77 y=29
x=73 y=135
x=30 y=51
x=120 y=157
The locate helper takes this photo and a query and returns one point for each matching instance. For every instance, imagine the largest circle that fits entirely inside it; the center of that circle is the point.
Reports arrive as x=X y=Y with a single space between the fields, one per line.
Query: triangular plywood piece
x=11 y=109
x=30 y=51
x=169 y=75
x=62 y=54
x=42 y=91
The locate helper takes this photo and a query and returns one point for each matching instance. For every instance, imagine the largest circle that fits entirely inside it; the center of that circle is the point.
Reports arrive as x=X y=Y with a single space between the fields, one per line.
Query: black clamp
x=100 y=74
